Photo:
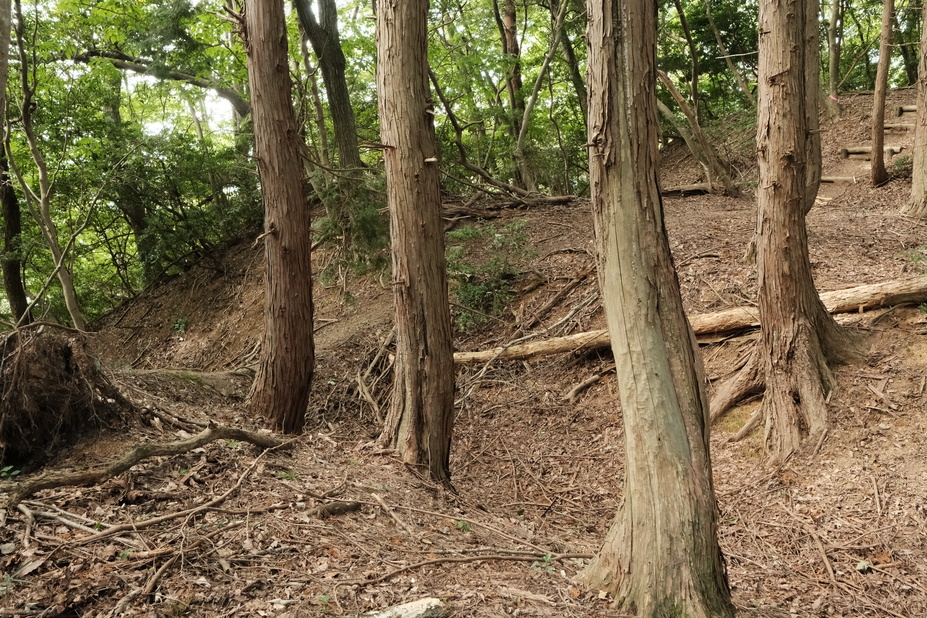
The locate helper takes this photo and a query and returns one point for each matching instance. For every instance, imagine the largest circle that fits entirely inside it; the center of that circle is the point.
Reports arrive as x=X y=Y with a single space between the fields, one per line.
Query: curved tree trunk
x=738 y=76
x=917 y=205
x=421 y=417
x=879 y=175
x=661 y=555
x=284 y=377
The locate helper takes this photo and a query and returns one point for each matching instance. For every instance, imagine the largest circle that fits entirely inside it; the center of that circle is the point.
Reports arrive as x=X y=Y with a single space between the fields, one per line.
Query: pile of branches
x=53 y=391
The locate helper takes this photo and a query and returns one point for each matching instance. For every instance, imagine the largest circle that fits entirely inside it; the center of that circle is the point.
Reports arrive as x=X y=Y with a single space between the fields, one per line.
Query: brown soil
x=838 y=534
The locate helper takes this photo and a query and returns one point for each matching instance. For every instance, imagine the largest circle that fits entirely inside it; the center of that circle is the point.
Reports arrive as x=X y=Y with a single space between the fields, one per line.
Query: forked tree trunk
x=282 y=384
x=879 y=175
x=798 y=335
x=421 y=417
x=661 y=555
x=917 y=205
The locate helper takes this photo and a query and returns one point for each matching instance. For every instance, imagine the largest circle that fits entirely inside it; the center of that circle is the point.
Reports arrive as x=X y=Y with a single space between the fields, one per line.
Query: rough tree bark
x=420 y=421
x=326 y=43
x=878 y=174
x=284 y=376
x=798 y=336
x=917 y=205
x=661 y=555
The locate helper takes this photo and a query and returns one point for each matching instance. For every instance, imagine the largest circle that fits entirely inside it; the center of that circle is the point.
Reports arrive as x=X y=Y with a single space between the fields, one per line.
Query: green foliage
x=180 y=324
x=462 y=526
x=481 y=266
x=356 y=223
x=8 y=473
x=902 y=167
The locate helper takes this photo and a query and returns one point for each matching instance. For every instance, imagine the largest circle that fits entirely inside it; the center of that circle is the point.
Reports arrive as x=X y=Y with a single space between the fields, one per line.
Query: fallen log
x=902 y=109
x=865 y=151
x=860 y=298
x=899 y=126
x=852 y=179
x=683 y=190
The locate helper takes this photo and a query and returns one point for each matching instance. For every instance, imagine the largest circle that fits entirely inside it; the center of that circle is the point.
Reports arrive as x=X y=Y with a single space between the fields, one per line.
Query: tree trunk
x=506 y=19
x=661 y=555
x=917 y=205
x=420 y=421
x=12 y=231
x=326 y=43
x=738 y=76
x=12 y=214
x=282 y=384
x=715 y=169
x=834 y=38
x=569 y=56
x=693 y=59
x=798 y=336
x=879 y=175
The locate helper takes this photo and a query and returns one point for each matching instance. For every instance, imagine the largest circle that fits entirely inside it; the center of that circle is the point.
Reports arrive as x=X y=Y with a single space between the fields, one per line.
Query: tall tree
x=834 y=44
x=661 y=556
x=878 y=174
x=12 y=214
x=421 y=416
x=917 y=205
x=798 y=336
x=282 y=384
x=326 y=43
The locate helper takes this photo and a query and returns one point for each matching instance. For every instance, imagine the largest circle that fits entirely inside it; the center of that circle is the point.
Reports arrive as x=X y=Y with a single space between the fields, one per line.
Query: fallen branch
x=866 y=151
x=141 y=453
x=898 y=292
x=684 y=190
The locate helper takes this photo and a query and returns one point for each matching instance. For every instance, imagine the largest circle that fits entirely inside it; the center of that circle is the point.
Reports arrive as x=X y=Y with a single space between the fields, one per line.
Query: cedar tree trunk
x=420 y=420
x=878 y=175
x=284 y=376
x=917 y=205
x=798 y=336
x=661 y=555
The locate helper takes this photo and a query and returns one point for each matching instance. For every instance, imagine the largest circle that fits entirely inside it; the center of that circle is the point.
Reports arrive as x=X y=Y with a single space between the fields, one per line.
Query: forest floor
x=538 y=476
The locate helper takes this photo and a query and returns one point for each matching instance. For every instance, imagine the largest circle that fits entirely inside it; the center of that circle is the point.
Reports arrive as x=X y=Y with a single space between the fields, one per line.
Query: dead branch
x=860 y=298
x=141 y=453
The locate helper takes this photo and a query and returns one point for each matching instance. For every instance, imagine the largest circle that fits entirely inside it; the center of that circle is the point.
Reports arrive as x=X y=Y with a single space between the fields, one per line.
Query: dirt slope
x=538 y=477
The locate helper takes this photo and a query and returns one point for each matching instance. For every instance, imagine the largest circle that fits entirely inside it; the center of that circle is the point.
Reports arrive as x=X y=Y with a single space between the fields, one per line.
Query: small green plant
x=6 y=584
x=180 y=324
x=918 y=257
x=902 y=167
x=462 y=526
x=484 y=288
x=545 y=564
x=289 y=475
x=7 y=473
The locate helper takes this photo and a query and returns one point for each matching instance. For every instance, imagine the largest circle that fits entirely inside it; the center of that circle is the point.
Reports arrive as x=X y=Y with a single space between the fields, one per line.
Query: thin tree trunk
x=569 y=56
x=738 y=76
x=661 y=556
x=40 y=202
x=834 y=37
x=282 y=384
x=506 y=19
x=12 y=214
x=693 y=59
x=716 y=172
x=879 y=175
x=326 y=42
x=556 y=32
x=421 y=417
x=917 y=205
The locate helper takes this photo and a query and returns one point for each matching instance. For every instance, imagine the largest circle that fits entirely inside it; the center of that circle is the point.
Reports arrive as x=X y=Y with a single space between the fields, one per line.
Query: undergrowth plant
x=481 y=268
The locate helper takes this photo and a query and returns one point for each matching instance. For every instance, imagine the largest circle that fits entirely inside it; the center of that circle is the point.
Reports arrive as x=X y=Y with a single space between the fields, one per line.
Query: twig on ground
x=579 y=388
x=392 y=514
